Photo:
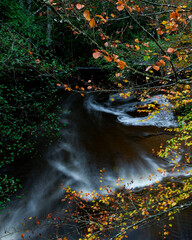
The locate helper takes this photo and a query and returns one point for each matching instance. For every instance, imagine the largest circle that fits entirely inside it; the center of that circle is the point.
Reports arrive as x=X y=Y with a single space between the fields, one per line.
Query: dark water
x=100 y=133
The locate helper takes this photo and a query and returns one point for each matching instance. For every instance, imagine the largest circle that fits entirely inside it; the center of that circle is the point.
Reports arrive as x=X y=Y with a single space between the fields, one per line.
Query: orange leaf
x=137 y=47
x=156 y=68
x=120 y=7
x=80 y=6
x=137 y=40
x=121 y=64
x=168 y=58
x=117 y=74
x=171 y=50
x=30 y=53
x=106 y=44
x=161 y=61
x=130 y=9
x=92 y=23
x=102 y=18
x=108 y=58
x=38 y=223
x=158 y=63
x=22 y=235
x=184 y=21
x=86 y=15
x=37 y=61
x=96 y=54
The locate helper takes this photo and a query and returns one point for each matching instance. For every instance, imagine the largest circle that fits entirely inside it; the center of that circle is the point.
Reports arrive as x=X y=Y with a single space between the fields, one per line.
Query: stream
x=101 y=132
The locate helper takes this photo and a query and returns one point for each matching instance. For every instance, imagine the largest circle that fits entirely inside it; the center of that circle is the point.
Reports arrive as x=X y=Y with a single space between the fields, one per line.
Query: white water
x=164 y=118
x=72 y=163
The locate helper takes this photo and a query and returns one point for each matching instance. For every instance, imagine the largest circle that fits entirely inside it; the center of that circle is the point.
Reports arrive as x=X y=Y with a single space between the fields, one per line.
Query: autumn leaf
x=162 y=62
x=92 y=23
x=30 y=53
x=38 y=223
x=147 y=69
x=130 y=9
x=171 y=50
x=80 y=6
x=158 y=63
x=117 y=74
x=156 y=68
x=168 y=58
x=137 y=40
x=121 y=64
x=86 y=15
x=137 y=47
x=106 y=44
x=37 y=61
x=108 y=58
x=102 y=18
x=96 y=54
x=120 y=7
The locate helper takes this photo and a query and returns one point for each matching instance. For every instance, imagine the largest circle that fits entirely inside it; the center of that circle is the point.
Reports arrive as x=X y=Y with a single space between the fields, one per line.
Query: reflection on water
x=98 y=135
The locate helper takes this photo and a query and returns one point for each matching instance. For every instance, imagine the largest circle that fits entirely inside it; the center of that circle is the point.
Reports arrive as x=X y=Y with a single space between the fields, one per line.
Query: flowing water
x=101 y=132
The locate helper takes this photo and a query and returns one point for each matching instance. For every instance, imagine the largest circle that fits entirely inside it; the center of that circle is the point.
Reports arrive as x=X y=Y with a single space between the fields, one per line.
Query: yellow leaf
x=137 y=47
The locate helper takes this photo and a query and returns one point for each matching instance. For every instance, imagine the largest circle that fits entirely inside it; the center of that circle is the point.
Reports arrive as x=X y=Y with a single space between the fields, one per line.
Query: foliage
x=159 y=58
x=158 y=51
x=28 y=95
